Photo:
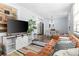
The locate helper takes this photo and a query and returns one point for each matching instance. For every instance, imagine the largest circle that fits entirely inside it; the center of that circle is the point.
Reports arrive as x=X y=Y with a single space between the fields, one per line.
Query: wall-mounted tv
x=17 y=26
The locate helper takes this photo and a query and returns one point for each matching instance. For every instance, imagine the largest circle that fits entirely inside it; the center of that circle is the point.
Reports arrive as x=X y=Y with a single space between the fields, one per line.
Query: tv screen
x=15 y=26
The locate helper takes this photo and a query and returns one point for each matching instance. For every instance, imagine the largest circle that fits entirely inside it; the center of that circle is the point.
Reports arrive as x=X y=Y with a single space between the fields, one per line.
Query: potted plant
x=31 y=28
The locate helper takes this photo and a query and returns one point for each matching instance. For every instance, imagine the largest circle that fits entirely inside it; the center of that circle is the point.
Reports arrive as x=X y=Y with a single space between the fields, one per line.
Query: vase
x=29 y=37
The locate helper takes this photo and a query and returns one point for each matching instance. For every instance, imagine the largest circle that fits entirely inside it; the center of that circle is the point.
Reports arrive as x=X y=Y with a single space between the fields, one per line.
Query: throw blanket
x=69 y=52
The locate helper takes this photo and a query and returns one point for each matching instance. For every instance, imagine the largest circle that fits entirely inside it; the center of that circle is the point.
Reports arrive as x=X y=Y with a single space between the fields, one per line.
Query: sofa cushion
x=64 y=44
x=64 y=38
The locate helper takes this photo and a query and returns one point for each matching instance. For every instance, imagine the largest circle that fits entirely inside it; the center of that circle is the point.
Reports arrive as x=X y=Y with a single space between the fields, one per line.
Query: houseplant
x=31 y=26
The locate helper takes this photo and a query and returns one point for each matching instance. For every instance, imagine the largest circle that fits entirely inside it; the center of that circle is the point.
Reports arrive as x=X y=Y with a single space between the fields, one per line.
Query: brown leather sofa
x=48 y=49
x=73 y=38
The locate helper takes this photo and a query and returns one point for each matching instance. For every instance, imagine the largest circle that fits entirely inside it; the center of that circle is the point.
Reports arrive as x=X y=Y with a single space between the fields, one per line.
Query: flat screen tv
x=17 y=26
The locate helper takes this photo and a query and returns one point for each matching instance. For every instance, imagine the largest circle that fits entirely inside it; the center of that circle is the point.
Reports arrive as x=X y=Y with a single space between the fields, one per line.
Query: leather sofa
x=47 y=49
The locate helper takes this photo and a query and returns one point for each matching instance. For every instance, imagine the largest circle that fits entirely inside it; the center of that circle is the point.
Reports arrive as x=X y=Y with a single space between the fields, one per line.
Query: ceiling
x=48 y=9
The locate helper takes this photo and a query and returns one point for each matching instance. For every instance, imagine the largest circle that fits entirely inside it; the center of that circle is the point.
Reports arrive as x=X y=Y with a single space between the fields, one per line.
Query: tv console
x=14 y=42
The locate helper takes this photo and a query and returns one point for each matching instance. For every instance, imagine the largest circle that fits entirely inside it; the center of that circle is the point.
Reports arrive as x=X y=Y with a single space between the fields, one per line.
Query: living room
x=41 y=24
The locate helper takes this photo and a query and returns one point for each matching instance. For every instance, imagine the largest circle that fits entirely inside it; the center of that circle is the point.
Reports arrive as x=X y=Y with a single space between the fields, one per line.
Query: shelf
x=1 y=22
x=3 y=25
x=11 y=44
x=2 y=12
x=10 y=50
x=3 y=30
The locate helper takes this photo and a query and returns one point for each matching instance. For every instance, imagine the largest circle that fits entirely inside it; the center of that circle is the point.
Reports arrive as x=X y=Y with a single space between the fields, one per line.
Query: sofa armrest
x=75 y=39
x=31 y=54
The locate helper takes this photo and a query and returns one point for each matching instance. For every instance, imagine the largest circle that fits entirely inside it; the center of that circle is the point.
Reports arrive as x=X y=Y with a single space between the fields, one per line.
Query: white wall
x=22 y=13
x=60 y=24
x=70 y=21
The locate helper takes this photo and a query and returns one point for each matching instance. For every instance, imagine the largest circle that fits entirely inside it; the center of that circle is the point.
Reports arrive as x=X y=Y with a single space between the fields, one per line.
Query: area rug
x=24 y=50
